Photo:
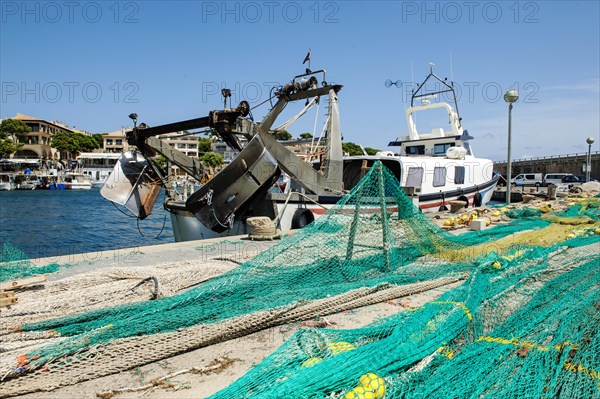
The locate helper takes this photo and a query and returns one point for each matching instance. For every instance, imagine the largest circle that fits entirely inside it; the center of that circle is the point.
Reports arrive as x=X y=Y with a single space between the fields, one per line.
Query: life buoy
x=302 y=217
x=477 y=199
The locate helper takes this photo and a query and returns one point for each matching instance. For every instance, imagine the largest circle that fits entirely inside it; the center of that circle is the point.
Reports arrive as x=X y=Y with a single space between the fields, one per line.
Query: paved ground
x=232 y=247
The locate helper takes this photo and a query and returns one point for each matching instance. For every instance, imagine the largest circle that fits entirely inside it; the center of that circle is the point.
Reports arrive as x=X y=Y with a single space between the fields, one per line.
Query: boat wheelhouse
x=96 y=166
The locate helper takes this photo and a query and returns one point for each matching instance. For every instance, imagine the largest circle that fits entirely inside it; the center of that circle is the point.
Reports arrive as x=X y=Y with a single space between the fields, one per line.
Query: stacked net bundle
x=585 y=208
x=529 y=327
x=14 y=264
x=523 y=213
x=548 y=348
x=373 y=241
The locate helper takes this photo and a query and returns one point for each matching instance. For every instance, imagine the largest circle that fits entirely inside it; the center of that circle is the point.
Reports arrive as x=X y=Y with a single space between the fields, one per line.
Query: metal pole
x=508 y=162
x=384 y=218
x=588 y=165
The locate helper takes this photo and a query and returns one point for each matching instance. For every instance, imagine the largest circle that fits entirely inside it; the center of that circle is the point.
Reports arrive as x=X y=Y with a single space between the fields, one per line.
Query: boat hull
x=98 y=183
x=298 y=212
x=26 y=186
x=78 y=186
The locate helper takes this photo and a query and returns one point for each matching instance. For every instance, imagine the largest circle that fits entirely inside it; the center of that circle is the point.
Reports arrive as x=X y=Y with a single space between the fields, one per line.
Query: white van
x=527 y=179
x=554 y=178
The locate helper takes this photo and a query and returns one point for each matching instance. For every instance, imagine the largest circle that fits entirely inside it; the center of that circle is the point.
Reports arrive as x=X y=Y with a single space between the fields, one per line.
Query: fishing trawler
x=433 y=167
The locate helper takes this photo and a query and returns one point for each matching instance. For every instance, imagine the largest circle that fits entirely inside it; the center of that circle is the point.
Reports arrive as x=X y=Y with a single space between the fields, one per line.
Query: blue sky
x=91 y=63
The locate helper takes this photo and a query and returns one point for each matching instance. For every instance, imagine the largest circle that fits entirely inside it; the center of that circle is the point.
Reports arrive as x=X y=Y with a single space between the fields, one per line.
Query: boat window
x=440 y=149
x=467 y=147
x=356 y=169
x=439 y=176
x=415 y=177
x=459 y=175
x=394 y=167
x=415 y=150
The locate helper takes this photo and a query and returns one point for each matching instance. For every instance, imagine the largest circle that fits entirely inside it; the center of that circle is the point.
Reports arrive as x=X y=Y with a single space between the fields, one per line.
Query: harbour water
x=47 y=224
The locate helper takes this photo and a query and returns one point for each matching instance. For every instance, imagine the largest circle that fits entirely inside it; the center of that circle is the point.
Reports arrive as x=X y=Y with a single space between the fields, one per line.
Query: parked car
x=527 y=179
x=554 y=178
x=582 y=178
x=572 y=179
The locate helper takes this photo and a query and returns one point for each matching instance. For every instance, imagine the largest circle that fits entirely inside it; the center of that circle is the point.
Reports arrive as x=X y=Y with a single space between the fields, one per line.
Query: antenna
x=431 y=65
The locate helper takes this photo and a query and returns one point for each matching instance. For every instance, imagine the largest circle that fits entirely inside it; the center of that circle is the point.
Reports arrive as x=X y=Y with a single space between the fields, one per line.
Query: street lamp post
x=510 y=97
x=588 y=166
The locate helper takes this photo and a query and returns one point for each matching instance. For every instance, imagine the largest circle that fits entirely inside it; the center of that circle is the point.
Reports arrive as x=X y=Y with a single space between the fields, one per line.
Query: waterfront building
x=37 y=141
x=186 y=144
x=225 y=151
x=116 y=142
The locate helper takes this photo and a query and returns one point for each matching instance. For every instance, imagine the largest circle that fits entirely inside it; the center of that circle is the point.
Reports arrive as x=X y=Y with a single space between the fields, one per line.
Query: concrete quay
x=235 y=248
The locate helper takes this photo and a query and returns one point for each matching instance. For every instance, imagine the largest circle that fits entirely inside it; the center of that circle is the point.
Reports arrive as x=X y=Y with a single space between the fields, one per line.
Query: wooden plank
x=13 y=285
x=8 y=294
x=8 y=301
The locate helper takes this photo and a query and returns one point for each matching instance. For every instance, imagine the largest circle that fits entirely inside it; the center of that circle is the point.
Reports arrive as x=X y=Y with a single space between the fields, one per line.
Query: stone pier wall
x=569 y=163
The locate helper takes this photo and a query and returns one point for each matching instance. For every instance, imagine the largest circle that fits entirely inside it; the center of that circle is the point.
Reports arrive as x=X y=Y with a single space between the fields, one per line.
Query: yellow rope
x=549 y=235
x=528 y=344
x=578 y=368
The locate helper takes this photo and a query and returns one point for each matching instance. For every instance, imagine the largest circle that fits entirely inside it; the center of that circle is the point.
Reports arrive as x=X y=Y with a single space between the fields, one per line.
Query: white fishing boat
x=7 y=182
x=76 y=181
x=434 y=167
x=96 y=166
x=26 y=181
x=98 y=183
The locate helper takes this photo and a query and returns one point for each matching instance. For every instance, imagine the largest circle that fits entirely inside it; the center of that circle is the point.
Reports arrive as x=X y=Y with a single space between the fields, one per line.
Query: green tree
x=204 y=145
x=371 y=151
x=98 y=139
x=306 y=136
x=352 y=148
x=7 y=146
x=84 y=143
x=73 y=143
x=212 y=161
x=11 y=130
x=161 y=161
x=64 y=142
x=283 y=135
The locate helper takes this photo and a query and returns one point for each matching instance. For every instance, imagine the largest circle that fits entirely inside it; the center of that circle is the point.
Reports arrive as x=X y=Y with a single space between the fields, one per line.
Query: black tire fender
x=464 y=198
x=302 y=217
x=477 y=199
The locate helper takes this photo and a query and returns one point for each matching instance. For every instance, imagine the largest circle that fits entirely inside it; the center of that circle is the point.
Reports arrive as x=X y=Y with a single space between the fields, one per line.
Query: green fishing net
x=14 y=264
x=532 y=286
